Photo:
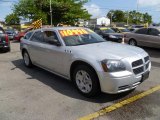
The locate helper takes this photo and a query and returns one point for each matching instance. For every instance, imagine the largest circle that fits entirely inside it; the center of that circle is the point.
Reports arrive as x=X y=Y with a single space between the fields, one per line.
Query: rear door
x=154 y=37
x=35 y=47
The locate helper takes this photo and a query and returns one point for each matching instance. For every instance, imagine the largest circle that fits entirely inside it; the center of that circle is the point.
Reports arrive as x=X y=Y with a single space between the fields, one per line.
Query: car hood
x=107 y=50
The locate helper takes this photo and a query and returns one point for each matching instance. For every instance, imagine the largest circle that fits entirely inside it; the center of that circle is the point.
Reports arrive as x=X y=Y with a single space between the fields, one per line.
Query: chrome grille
x=147 y=65
x=146 y=59
x=138 y=70
x=137 y=63
x=139 y=66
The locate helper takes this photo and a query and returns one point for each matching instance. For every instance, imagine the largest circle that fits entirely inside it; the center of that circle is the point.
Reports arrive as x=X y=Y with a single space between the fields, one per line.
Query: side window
x=97 y=30
x=142 y=31
x=154 y=32
x=50 y=37
x=28 y=35
x=37 y=37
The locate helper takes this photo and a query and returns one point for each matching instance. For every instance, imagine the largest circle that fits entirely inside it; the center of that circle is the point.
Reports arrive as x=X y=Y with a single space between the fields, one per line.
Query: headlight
x=112 y=36
x=113 y=66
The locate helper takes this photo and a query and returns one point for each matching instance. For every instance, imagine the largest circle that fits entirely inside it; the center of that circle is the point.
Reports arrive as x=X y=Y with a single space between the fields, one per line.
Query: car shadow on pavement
x=62 y=85
x=153 y=52
x=3 y=51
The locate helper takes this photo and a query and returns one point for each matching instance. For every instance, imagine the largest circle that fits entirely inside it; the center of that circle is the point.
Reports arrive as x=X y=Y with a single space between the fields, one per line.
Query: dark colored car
x=4 y=41
x=120 y=30
x=21 y=34
x=108 y=34
x=11 y=34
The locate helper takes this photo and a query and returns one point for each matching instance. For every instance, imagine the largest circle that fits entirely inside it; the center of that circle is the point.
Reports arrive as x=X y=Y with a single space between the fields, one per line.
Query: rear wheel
x=132 y=42
x=26 y=59
x=86 y=81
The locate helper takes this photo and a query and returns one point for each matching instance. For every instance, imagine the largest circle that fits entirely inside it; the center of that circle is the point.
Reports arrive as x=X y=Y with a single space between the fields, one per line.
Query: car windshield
x=9 y=32
x=74 y=37
x=107 y=30
x=138 y=26
x=125 y=30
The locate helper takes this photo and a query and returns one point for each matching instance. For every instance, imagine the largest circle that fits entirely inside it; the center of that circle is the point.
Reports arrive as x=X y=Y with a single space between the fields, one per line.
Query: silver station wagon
x=92 y=63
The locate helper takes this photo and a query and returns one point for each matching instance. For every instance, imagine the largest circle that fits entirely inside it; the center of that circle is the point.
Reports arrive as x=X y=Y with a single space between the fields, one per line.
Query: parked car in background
x=92 y=63
x=144 y=37
x=4 y=41
x=135 y=27
x=120 y=30
x=21 y=34
x=109 y=34
x=10 y=33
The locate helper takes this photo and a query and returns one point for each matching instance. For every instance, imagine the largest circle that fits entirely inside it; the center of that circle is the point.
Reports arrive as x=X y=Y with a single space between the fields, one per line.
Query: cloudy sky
x=99 y=8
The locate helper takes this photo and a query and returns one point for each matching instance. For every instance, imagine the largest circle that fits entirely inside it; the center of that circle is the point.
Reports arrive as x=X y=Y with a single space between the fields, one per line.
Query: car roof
x=120 y=27
x=61 y=28
x=155 y=27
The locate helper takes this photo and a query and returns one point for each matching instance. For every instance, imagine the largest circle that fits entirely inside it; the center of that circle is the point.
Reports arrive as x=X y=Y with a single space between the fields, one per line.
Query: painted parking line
x=120 y=104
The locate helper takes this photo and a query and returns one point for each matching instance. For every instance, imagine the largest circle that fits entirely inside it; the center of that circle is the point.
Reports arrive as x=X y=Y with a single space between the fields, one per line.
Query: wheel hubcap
x=132 y=43
x=83 y=81
x=26 y=59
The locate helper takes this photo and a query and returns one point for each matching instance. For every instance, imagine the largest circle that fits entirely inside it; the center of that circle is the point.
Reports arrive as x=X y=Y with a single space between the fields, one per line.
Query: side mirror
x=54 y=42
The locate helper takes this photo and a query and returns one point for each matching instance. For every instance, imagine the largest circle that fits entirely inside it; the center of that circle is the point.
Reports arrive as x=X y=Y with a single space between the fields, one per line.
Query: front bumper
x=118 y=40
x=11 y=37
x=119 y=82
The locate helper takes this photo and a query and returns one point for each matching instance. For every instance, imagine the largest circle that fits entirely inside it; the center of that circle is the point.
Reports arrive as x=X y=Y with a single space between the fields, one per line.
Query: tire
x=90 y=86
x=26 y=59
x=132 y=42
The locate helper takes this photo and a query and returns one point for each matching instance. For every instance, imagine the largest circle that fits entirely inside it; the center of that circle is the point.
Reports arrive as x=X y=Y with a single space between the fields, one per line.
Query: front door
x=54 y=57
x=154 y=38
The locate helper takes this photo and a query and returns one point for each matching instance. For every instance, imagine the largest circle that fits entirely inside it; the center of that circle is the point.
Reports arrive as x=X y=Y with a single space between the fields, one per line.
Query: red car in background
x=21 y=34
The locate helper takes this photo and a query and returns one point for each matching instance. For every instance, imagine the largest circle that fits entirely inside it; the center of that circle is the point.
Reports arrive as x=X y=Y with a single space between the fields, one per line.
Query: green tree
x=147 y=18
x=117 y=15
x=133 y=17
x=63 y=11
x=12 y=19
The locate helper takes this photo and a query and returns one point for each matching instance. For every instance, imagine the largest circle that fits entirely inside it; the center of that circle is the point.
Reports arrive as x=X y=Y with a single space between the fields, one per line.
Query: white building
x=100 y=21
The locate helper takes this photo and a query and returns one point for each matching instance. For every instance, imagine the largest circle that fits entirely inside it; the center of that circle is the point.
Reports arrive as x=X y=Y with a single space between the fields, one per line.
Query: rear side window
x=37 y=37
x=153 y=32
x=28 y=35
x=142 y=31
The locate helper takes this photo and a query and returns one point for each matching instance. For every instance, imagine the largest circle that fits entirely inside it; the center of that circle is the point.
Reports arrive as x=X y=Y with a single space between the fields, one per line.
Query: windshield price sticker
x=71 y=32
x=103 y=28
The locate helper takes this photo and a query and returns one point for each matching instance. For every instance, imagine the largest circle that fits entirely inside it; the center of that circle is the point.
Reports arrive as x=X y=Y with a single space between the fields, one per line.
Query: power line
x=124 y=9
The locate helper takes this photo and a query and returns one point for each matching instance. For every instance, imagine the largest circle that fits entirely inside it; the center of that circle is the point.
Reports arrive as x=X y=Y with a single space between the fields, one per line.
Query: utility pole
x=111 y=20
x=137 y=9
x=127 y=18
x=137 y=5
x=51 y=11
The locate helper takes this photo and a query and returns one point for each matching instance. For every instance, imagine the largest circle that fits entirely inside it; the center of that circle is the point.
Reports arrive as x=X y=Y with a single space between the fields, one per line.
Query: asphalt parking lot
x=35 y=94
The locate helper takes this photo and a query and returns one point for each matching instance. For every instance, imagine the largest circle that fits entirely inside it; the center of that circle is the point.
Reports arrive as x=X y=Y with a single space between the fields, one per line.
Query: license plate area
x=145 y=76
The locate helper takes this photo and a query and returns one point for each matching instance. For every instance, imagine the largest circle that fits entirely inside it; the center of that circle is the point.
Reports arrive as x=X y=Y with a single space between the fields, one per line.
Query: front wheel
x=132 y=42
x=86 y=81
